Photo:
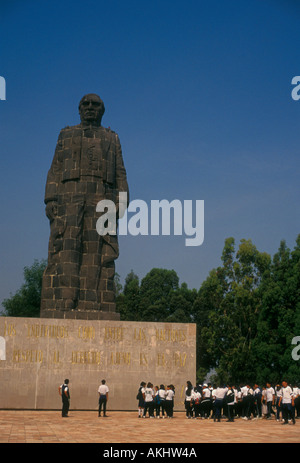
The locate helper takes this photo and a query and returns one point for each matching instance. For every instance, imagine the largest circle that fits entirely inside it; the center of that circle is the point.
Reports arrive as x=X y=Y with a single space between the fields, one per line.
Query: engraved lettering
x=179 y=359
x=143 y=359
x=9 y=329
x=116 y=334
x=169 y=335
x=86 y=332
x=27 y=356
x=139 y=334
x=47 y=331
x=120 y=358
x=86 y=357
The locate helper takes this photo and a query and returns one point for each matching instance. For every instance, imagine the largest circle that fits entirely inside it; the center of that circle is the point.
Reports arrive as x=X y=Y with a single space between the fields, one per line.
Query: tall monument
x=79 y=334
x=87 y=167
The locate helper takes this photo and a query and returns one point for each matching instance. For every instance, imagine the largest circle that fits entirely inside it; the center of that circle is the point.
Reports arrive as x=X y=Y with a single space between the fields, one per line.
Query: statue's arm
x=121 y=177
x=53 y=180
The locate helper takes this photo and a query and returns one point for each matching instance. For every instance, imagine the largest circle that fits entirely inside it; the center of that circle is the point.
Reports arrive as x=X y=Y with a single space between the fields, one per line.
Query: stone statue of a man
x=87 y=167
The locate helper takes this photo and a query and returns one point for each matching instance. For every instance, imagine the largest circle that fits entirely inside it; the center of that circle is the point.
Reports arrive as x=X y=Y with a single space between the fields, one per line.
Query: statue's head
x=91 y=109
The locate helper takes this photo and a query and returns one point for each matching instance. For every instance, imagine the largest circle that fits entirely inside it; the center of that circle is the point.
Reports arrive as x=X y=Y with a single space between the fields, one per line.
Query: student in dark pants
x=169 y=402
x=103 y=397
x=230 y=401
x=257 y=399
x=64 y=392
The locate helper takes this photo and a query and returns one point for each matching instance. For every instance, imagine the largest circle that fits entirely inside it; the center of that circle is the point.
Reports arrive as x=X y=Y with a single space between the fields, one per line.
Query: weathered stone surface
x=87 y=168
x=38 y=354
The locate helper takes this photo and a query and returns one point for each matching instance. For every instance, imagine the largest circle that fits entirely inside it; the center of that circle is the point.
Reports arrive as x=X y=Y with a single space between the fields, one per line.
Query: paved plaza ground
x=126 y=427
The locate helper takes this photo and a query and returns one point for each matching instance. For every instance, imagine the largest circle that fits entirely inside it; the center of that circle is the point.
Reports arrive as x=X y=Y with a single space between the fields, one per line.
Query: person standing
x=286 y=402
x=205 y=402
x=219 y=402
x=270 y=397
x=189 y=399
x=103 y=397
x=197 y=401
x=278 y=393
x=169 y=403
x=297 y=402
x=257 y=398
x=161 y=396
x=64 y=392
x=230 y=401
x=141 y=398
x=149 y=404
x=245 y=402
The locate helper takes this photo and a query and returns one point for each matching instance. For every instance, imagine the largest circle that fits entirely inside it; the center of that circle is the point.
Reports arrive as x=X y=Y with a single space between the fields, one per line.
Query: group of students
x=158 y=399
x=208 y=402
x=246 y=402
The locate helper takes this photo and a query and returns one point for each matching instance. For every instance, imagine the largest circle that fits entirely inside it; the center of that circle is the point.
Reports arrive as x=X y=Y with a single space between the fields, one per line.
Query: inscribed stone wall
x=37 y=354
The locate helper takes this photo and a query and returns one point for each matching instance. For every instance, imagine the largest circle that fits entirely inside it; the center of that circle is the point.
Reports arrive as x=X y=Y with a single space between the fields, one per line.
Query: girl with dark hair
x=169 y=403
x=189 y=399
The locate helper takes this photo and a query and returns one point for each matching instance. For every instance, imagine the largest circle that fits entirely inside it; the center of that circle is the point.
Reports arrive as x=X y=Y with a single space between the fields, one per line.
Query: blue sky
x=200 y=95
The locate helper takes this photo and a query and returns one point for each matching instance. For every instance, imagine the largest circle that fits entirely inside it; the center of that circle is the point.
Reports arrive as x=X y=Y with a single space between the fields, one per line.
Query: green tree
x=279 y=319
x=26 y=302
x=128 y=301
x=155 y=293
x=227 y=309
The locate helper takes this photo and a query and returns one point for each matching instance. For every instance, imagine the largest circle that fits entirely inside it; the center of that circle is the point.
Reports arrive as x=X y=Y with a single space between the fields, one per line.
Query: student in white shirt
x=295 y=396
x=286 y=402
x=149 y=404
x=197 y=401
x=189 y=399
x=270 y=398
x=278 y=394
x=169 y=403
x=160 y=398
x=246 y=399
x=219 y=402
x=103 y=397
x=206 y=402
x=230 y=402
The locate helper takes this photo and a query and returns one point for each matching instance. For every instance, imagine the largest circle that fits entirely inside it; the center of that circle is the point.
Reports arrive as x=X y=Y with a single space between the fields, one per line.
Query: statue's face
x=91 y=109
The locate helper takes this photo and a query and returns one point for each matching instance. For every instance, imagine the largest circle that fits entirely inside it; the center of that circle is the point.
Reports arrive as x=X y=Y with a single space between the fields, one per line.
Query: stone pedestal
x=81 y=314
x=36 y=355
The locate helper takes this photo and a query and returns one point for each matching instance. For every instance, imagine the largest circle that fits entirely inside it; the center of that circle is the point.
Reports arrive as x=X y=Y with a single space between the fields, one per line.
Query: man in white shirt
x=103 y=397
x=219 y=402
x=286 y=401
x=245 y=395
x=169 y=404
x=270 y=397
x=206 y=402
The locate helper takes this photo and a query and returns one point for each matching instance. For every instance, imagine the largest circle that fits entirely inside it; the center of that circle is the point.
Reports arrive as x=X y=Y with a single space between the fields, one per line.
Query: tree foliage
x=27 y=300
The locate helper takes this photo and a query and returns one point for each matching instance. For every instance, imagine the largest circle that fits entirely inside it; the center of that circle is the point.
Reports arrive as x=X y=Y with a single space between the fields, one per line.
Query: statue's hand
x=51 y=210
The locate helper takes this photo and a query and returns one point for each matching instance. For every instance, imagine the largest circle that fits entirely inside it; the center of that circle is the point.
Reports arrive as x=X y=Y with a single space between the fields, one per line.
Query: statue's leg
x=71 y=254
x=60 y=288
x=110 y=252
x=90 y=262
x=97 y=266
x=50 y=278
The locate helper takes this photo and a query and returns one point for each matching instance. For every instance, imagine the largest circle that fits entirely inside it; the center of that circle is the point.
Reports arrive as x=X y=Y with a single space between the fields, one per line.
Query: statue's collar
x=85 y=125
